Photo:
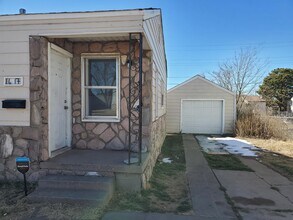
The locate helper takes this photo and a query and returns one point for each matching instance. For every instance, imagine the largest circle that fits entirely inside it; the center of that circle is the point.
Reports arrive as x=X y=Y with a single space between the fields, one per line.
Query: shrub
x=254 y=124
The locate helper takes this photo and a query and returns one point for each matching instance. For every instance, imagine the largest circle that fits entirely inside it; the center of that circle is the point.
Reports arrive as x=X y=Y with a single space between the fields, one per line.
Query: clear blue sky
x=199 y=34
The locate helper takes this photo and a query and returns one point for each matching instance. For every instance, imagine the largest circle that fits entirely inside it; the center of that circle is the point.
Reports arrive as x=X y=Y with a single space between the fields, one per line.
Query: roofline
x=162 y=25
x=80 y=12
x=204 y=79
x=246 y=98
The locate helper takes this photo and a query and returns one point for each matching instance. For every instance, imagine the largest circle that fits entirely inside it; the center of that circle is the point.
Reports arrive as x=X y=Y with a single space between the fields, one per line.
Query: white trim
x=234 y=113
x=71 y=15
x=49 y=100
x=203 y=79
x=85 y=57
x=61 y=50
x=223 y=111
x=69 y=114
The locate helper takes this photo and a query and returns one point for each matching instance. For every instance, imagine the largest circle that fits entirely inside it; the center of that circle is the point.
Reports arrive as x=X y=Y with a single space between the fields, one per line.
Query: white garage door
x=202 y=116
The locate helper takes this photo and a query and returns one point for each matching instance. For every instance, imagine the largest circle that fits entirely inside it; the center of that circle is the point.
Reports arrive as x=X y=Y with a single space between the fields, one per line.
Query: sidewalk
x=207 y=199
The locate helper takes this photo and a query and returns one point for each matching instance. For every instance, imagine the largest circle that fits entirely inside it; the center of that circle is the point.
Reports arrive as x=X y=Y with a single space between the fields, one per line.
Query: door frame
x=223 y=111
x=68 y=55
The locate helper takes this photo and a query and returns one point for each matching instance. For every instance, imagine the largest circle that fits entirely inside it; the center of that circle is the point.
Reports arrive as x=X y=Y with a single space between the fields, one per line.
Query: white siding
x=154 y=34
x=14 y=45
x=198 y=88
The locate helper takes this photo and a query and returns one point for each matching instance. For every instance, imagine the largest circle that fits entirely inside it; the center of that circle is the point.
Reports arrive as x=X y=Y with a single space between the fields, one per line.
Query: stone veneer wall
x=30 y=141
x=157 y=137
x=100 y=135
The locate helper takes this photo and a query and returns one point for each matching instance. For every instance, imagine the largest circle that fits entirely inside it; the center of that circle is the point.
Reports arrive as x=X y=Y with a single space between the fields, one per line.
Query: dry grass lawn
x=14 y=206
x=278 y=155
x=280 y=147
x=168 y=190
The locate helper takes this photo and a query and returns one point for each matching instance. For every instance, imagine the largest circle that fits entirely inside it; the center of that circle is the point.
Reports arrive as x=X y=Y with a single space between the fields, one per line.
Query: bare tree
x=242 y=74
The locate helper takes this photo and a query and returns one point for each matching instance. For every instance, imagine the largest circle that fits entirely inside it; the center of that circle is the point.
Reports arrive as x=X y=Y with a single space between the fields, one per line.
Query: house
x=255 y=102
x=290 y=106
x=200 y=106
x=82 y=92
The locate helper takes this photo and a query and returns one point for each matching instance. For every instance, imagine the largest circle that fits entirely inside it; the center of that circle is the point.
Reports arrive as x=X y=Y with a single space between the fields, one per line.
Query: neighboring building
x=290 y=106
x=255 y=102
x=64 y=85
x=200 y=106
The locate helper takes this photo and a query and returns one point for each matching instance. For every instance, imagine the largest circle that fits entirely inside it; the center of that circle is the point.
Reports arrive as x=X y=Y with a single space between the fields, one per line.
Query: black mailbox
x=13 y=103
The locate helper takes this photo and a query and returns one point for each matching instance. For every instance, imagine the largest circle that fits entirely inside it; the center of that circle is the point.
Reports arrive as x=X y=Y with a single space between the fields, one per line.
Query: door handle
x=66 y=107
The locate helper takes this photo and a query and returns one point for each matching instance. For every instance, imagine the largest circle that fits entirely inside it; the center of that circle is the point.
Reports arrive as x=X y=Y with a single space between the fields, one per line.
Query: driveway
x=262 y=194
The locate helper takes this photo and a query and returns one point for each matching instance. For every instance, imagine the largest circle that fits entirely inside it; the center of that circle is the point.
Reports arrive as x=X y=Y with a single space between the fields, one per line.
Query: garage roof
x=203 y=79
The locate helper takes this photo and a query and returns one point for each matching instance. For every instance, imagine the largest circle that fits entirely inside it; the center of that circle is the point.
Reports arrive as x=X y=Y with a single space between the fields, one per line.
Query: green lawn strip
x=225 y=162
x=279 y=163
x=162 y=195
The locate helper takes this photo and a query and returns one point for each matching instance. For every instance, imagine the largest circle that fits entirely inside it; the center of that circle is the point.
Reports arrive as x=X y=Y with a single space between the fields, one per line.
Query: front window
x=100 y=88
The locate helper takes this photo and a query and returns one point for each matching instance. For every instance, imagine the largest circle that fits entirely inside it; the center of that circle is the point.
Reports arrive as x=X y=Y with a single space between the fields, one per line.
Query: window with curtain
x=100 y=88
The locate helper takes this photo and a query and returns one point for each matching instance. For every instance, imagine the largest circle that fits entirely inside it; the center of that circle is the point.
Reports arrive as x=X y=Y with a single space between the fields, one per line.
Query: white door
x=59 y=99
x=202 y=116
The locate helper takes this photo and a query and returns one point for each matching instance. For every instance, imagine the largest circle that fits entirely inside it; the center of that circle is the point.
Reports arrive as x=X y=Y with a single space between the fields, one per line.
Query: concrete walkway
x=208 y=200
x=263 y=194
x=274 y=179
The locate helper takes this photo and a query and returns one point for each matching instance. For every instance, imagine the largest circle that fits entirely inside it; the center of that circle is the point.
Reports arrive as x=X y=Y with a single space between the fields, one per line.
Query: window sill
x=101 y=120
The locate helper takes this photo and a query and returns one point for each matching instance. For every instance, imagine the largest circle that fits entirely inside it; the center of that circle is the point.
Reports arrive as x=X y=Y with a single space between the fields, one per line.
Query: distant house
x=290 y=106
x=256 y=102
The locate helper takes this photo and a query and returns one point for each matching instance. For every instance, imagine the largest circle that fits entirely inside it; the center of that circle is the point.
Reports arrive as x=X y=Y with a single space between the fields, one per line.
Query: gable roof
x=203 y=79
x=253 y=98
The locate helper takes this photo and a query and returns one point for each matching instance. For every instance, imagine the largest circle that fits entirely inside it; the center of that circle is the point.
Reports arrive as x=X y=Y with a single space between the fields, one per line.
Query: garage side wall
x=198 y=89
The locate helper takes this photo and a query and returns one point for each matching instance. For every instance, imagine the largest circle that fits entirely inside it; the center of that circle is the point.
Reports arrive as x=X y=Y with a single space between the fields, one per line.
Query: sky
x=200 y=34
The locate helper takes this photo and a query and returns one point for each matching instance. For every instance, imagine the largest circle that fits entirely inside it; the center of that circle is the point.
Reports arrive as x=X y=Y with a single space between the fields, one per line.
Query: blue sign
x=22 y=164
x=22 y=159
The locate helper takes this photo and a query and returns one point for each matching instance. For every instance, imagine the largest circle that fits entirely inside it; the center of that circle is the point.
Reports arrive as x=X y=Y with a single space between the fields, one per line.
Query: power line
x=236 y=44
x=192 y=49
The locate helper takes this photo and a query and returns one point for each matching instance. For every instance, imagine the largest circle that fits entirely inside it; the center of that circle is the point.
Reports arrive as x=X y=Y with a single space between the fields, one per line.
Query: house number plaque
x=13 y=81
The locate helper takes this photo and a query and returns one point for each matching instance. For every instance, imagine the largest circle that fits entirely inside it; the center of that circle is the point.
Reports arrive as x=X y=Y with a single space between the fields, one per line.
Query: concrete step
x=74 y=189
x=81 y=196
x=76 y=182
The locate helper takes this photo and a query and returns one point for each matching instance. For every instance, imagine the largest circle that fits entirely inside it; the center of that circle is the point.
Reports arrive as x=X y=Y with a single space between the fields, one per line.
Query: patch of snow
x=211 y=146
x=92 y=174
x=237 y=146
x=167 y=160
x=132 y=160
x=228 y=145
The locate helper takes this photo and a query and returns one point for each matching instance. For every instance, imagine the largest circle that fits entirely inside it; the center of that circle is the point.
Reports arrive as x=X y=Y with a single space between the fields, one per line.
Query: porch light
x=124 y=59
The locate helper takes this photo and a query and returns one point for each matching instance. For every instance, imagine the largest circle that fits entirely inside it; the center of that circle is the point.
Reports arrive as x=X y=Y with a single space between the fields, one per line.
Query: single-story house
x=255 y=102
x=200 y=106
x=78 y=84
x=290 y=106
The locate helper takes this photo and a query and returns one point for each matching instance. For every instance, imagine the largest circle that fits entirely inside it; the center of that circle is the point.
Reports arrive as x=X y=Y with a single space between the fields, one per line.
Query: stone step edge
x=103 y=183
x=66 y=172
x=66 y=195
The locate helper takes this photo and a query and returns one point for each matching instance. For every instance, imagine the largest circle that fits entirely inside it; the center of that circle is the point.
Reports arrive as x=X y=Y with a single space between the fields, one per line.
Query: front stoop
x=90 y=190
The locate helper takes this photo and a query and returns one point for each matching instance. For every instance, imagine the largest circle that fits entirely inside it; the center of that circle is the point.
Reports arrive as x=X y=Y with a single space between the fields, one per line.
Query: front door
x=59 y=99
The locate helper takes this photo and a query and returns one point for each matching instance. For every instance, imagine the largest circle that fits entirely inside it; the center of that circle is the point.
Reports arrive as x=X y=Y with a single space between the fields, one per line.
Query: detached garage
x=200 y=106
